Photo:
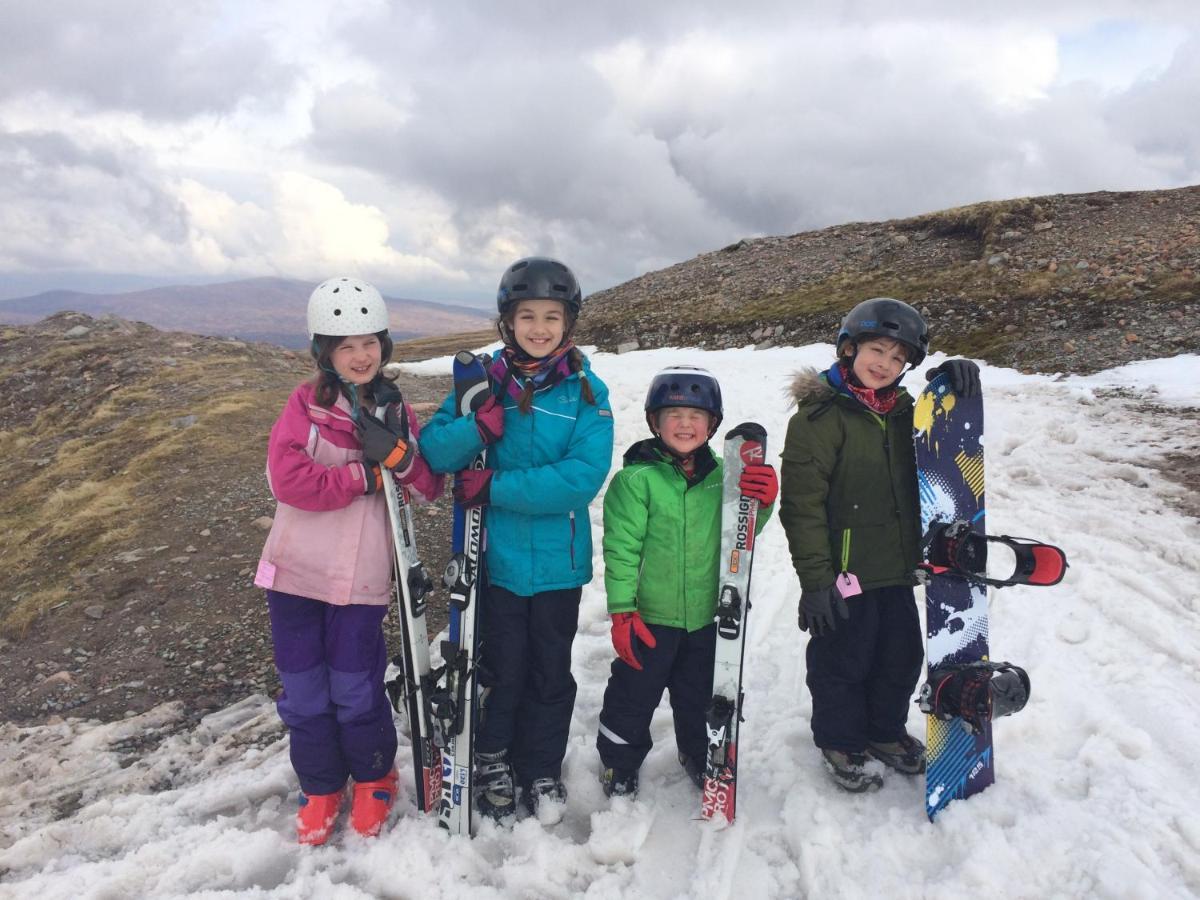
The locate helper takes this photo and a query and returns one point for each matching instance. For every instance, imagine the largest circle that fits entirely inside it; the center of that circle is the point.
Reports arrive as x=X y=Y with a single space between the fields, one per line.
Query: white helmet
x=345 y=306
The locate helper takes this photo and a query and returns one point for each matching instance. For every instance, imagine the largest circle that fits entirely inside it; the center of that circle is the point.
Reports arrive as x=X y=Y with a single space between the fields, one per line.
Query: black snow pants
x=526 y=666
x=863 y=673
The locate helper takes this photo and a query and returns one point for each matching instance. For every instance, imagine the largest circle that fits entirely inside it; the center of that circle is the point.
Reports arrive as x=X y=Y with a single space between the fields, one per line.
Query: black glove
x=374 y=478
x=964 y=376
x=386 y=442
x=816 y=610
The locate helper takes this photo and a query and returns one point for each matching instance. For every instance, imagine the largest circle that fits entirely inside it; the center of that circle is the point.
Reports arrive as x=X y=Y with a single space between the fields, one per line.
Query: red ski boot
x=372 y=802
x=317 y=815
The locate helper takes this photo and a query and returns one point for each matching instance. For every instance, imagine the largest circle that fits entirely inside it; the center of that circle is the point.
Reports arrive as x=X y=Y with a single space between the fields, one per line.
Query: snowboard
x=746 y=444
x=948 y=438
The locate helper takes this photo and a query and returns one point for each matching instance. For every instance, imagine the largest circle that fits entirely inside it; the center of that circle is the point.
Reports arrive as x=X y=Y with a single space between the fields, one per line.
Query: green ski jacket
x=662 y=537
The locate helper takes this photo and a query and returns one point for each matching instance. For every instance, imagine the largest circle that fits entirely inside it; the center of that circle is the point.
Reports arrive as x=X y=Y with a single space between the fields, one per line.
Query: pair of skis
x=408 y=691
x=440 y=704
x=744 y=445
x=453 y=704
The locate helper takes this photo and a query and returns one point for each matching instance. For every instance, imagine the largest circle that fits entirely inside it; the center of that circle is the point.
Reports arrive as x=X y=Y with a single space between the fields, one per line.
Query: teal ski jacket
x=547 y=468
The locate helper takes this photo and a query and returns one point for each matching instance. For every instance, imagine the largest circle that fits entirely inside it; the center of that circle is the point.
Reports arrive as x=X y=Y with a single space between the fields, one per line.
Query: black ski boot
x=619 y=783
x=906 y=755
x=849 y=772
x=546 y=798
x=695 y=770
x=494 y=786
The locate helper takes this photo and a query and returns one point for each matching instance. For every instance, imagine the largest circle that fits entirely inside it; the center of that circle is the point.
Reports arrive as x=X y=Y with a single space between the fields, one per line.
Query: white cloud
x=426 y=145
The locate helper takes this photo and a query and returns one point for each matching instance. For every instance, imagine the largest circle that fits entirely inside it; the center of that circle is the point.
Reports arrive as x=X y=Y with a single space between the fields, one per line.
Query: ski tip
x=750 y=431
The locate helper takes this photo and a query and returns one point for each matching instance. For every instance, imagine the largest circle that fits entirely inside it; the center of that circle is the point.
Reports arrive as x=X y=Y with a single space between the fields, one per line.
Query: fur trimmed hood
x=808 y=386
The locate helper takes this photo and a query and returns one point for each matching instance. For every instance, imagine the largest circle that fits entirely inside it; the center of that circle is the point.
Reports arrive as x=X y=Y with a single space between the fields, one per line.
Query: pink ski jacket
x=330 y=541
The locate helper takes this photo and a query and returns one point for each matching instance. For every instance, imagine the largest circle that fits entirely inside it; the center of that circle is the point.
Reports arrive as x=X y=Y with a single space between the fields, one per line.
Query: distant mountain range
x=254 y=309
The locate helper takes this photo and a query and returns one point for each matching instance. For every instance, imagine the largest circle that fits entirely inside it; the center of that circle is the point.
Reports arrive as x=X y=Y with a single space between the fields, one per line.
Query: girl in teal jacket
x=549 y=433
x=662 y=541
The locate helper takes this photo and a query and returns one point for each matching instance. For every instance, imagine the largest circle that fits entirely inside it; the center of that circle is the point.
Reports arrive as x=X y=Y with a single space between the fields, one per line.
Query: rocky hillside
x=1069 y=282
x=134 y=503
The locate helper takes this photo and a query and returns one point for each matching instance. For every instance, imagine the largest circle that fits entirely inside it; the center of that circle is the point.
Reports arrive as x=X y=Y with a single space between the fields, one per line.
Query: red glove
x=624 y=626
x=489 y=420
x=760 y=482
x=473 y=487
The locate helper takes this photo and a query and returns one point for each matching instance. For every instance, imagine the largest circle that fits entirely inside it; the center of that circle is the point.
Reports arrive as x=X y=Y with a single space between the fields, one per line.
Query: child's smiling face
x=879 y=361
x=357 y=358
x=538 y=326
x=684 y=428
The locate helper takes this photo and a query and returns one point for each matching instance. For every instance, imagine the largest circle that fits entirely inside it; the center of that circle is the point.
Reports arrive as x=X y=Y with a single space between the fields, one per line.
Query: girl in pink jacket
x=327 y=564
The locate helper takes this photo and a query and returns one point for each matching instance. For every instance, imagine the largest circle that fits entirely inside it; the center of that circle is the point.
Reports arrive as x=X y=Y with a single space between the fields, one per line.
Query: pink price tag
x=265 y=576
x=847 y=584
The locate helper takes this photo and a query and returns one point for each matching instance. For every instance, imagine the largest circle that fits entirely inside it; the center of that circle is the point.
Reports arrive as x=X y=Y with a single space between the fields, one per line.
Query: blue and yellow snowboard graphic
x=948 y=434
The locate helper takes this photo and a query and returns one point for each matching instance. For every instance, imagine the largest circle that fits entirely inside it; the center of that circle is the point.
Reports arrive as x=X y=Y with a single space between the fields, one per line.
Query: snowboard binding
x=975 y=692
x=953 y=548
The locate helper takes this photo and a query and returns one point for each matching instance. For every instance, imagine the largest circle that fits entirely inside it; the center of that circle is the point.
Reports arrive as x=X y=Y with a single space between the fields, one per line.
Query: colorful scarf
x=880 y=401
x=513 y=368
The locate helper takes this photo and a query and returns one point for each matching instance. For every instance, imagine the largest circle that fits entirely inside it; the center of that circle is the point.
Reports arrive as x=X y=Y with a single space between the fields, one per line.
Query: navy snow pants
x=681 y=662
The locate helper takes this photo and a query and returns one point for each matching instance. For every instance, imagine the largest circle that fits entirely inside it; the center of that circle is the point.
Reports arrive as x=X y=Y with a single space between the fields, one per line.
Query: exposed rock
x=981 y=272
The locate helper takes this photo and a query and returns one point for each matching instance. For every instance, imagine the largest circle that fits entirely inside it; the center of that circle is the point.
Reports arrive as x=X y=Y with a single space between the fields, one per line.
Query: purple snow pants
x=331 y=661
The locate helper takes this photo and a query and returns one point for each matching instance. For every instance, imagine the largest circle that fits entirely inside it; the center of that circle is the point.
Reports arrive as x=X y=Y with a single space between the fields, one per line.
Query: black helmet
x=686 y=386
x=885 y=317
x=539 y=278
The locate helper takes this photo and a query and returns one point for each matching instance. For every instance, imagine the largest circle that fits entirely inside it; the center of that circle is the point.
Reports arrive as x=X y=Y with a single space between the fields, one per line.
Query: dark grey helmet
x=885 y=317
x=539 y=278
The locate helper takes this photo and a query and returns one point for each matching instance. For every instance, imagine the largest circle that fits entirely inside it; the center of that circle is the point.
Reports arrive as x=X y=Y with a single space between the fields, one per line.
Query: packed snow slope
x=1093 y=796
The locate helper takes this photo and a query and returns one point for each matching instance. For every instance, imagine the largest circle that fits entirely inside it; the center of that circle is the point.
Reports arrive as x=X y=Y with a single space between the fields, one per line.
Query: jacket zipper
x=571 y=516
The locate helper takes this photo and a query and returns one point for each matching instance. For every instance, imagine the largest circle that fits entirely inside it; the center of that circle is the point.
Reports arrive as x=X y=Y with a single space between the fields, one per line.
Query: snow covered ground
x=1092 y=797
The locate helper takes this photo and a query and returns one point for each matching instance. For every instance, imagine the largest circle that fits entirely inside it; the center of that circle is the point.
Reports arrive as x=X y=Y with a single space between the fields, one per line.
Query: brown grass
x=443 y=345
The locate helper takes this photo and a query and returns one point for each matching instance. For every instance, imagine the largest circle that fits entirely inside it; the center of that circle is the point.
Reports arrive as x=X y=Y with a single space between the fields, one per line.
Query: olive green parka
x=662 y=537
x=849 y=488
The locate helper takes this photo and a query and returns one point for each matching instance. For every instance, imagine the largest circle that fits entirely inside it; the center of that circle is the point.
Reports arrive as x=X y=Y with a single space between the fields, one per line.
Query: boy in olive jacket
x=852 y=518
x=662 y=540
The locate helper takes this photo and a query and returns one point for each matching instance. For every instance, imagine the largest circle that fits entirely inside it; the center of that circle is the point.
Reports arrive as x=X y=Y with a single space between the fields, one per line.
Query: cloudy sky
x=426 y=145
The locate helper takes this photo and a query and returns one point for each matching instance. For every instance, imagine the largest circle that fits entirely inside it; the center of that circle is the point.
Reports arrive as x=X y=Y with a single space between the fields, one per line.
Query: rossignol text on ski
x=745 y=444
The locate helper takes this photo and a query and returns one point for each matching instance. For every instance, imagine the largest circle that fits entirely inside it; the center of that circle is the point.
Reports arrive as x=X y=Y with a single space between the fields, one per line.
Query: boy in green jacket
x=662 y=540
x=852 y=519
